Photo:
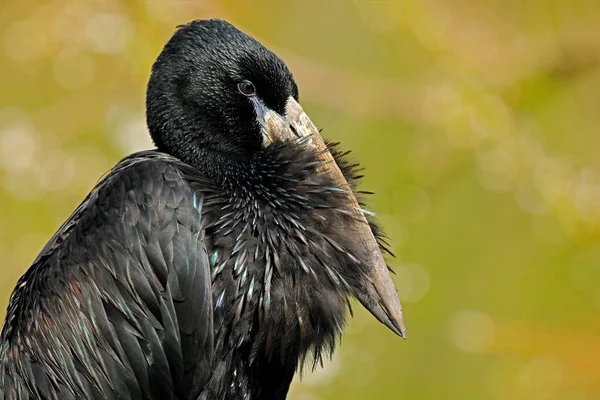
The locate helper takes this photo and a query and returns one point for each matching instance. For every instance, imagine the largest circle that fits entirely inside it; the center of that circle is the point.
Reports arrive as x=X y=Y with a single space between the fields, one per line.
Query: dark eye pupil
x=246 y=88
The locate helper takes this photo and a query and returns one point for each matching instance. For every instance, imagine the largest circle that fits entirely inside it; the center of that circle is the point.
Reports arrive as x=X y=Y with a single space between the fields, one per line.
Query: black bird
x=212 y=267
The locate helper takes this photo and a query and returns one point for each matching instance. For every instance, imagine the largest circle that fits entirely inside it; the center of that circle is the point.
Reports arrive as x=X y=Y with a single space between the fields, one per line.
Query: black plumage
x=210 y=268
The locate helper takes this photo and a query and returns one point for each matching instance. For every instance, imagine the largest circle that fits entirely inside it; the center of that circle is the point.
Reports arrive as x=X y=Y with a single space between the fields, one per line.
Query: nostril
x=294 y=131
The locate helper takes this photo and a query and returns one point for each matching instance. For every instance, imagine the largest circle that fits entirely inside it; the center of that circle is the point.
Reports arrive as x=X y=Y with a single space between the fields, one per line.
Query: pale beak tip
x=402 y=329
x=397 y=325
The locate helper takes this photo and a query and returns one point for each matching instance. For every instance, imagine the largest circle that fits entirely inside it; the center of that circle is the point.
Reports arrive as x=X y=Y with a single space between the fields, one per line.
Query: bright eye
x=246 y=88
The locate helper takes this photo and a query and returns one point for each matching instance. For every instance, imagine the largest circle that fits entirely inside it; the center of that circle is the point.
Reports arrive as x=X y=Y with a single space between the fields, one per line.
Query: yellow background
x=478 y=123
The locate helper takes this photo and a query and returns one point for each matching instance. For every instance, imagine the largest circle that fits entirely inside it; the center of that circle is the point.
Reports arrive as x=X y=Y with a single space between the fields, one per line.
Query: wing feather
x=118 y=304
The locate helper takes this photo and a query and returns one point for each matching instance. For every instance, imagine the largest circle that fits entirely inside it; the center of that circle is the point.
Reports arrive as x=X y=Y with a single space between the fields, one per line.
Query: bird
x=215 y=266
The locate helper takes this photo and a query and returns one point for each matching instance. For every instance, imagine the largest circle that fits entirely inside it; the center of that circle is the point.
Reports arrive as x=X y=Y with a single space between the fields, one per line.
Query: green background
x=478 y=123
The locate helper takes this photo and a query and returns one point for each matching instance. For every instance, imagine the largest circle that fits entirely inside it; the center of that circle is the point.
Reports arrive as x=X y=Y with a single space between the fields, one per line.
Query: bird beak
x=378 y=295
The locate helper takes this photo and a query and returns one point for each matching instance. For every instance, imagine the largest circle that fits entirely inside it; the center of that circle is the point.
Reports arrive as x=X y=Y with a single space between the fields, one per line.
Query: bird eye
x=247 y=88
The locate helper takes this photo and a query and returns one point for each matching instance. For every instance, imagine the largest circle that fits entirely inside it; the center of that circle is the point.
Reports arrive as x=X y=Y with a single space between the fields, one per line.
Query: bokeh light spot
x=471 y=330
x=23 y=186
x=108 y=32
x=131 y=134
x=19 y=145
x=540 y=377
x=23 y=41
x=530 y=199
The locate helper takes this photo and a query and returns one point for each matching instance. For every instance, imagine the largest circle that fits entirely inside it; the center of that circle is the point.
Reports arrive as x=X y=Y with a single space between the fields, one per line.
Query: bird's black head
x=208 y=89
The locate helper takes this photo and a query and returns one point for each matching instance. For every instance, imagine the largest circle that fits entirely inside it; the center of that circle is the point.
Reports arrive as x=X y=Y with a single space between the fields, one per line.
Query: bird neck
x=219 y=166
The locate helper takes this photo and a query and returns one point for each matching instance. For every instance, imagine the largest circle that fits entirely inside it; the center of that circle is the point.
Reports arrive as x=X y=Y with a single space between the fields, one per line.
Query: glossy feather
x=118 y=304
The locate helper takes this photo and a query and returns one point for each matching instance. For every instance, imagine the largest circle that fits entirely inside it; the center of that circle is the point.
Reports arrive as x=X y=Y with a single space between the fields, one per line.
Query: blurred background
x=478 y=123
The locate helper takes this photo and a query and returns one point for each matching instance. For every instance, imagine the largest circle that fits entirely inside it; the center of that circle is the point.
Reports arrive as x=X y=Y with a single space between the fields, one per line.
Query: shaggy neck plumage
x=268 y=210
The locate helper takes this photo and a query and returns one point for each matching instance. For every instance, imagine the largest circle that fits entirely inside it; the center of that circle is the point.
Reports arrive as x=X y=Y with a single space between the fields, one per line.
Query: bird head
x=215 y=94
x=210 y=88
